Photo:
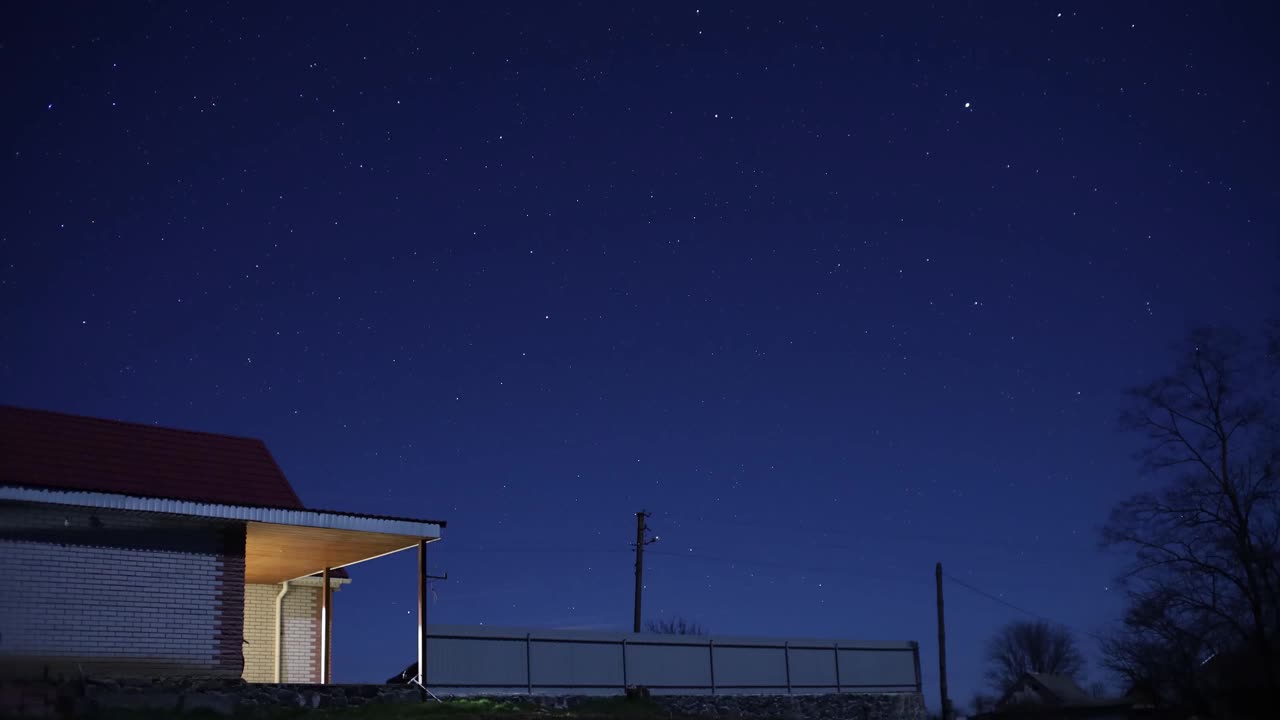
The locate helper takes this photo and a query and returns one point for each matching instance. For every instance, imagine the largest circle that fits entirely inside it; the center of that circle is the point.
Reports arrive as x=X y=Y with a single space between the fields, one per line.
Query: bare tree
x=676 y=626
x=1153 y=655
x=1205 y=578
x=1031 y=646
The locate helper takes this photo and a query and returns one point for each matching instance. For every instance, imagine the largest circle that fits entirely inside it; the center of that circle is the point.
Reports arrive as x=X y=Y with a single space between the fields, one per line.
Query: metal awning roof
x=280 y=544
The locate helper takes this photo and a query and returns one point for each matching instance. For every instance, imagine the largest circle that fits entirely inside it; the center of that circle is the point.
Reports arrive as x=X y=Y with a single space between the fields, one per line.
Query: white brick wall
x=301 y=632
x=99 y=587
x=259 y=632
x=302 y=635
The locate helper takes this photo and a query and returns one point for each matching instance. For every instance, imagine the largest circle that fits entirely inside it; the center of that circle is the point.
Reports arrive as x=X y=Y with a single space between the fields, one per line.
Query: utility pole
x=942 y=648
x=641 y=541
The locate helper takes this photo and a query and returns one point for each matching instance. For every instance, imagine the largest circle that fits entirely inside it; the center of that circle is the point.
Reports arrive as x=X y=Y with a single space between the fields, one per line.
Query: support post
x=942 y=648
x=786 y=658
x=422 y=614
x=837 y=647
x=915 y=658
x=528 y=662
x=624 y=665
x=326 y=628
x=711 y=656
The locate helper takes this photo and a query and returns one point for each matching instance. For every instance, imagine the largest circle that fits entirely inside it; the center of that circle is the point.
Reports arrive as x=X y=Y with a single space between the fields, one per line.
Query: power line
x=1023 y=610
x=845 y=571
x=536 y=550
x=952 y=540
x=780 y=566
x=733 y=561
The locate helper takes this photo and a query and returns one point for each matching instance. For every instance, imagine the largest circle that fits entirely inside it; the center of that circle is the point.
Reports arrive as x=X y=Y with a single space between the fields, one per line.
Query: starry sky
x=836 y=291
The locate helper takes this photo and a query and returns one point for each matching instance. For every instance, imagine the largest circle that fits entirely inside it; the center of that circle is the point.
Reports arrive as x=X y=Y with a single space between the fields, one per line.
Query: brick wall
x=259 y=632
x=118 y=593
x=301 y=632
x=302 y=635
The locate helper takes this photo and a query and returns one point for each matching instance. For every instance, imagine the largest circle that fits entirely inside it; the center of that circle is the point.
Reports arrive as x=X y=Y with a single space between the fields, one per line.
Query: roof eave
x=424 y=529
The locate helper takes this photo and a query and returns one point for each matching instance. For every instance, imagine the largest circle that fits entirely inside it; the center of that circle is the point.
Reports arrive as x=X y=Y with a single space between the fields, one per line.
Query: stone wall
x=845 y=706
x=225 y=697
x=38 y=698
x=842 y=706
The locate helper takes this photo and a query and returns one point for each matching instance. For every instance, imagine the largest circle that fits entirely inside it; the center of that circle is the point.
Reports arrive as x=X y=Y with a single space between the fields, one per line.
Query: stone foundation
x=227 y=696
x=44 y=699
x=843 y=706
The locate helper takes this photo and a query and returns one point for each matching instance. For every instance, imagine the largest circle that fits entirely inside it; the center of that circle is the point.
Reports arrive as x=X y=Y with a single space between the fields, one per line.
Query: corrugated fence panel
x=758 y=667
x=675 y=666
x=877 y=668
x=468 y=659
x=476 y=661
x=576 y=664
x=813 y=668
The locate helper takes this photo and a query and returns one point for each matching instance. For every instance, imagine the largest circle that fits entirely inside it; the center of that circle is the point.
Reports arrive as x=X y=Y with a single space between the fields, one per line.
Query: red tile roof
x=72 y=452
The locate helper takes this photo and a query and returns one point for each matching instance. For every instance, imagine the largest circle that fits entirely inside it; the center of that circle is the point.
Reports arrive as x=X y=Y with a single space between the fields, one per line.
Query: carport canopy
x=276 y=552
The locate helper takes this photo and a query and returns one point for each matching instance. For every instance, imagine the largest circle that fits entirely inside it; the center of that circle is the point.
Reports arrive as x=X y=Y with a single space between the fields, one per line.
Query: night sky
x=835 y=292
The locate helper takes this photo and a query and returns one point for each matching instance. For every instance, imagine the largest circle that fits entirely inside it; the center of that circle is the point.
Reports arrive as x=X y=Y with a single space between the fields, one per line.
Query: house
x=1044 y=696
x=135 y=550
x=1045 y=689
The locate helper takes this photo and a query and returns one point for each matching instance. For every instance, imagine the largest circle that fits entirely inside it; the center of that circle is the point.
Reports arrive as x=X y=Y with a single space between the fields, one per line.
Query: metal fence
x=473 y=660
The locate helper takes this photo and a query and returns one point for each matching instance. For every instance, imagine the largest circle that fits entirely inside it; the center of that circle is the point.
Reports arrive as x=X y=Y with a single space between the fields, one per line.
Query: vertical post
x=915 y=658
x=624 y=665
x=942 y=648
x=640 y=528
x=422 y=614
x=326 y=629
x=837 y=646
x=528 y=662
x=711 y=656
x=786 y=658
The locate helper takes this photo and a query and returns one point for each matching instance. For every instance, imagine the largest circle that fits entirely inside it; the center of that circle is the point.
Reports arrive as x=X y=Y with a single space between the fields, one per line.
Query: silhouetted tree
x=1206 y=573
x=676 y=626
x=1031 y=646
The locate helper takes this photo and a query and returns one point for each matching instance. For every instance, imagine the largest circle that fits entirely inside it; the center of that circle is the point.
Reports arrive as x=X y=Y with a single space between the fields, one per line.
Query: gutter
x=284 y=588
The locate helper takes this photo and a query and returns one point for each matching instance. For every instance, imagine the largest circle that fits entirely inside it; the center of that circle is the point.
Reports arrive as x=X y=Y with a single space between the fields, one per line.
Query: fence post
x=838 y=690
x=528 y=662
x=915 y=654
x=624 y=665
x=786 y=658
x=711 y=655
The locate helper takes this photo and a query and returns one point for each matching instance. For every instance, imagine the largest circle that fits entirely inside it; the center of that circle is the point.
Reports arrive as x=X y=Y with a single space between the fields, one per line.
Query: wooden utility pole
x=641 y=529
x=942 y=648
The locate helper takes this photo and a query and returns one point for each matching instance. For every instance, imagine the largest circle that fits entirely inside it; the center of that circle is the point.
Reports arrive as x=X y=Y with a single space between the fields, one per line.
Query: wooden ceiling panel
x=275 y=553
